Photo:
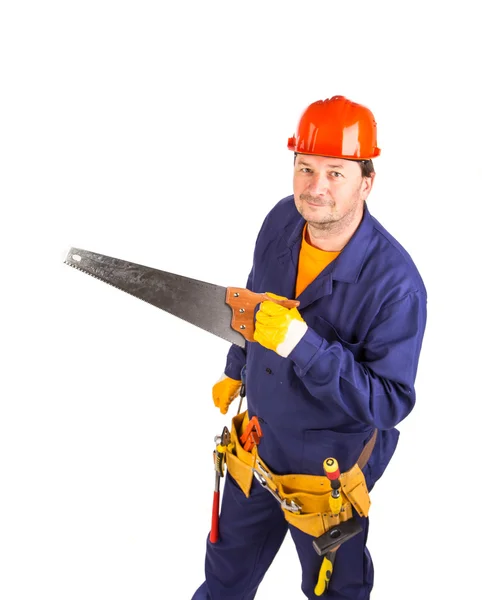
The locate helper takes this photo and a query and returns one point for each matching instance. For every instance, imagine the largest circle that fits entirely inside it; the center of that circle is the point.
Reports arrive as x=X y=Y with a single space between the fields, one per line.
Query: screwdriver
x=332 y=471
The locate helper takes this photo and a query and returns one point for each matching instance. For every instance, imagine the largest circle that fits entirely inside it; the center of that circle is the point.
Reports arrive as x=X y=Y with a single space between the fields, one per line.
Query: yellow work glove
x=278 y=328
x=224 y=392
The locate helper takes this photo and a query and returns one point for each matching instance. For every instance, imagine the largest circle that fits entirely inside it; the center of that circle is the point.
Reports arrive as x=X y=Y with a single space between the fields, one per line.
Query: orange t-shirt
x=311 y=263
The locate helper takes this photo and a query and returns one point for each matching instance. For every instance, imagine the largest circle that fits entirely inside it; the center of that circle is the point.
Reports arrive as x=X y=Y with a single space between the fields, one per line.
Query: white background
x=156 y=132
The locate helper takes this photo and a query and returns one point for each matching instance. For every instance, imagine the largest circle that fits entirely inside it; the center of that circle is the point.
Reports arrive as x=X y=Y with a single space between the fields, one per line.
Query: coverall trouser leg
x=353 y=572
x=251 y=531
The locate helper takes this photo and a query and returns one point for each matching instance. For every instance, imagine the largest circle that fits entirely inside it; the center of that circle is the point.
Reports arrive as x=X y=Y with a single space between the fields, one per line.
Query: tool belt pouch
x=354 y=487
x=239 y=462
x=313 y=493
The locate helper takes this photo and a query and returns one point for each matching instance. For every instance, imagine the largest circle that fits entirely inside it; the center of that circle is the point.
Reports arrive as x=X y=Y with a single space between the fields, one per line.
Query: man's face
x=329 y=191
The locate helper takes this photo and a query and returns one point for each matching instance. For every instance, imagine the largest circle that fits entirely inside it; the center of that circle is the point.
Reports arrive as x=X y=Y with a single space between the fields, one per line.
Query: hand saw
x=227 y=312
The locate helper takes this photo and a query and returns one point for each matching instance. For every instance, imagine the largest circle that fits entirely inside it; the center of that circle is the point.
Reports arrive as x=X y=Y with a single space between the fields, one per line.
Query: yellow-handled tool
x=332 y=471
x=326 y=571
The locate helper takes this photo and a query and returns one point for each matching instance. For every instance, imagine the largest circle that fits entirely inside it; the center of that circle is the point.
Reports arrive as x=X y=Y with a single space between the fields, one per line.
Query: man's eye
x=336 y=174
x=305 y=170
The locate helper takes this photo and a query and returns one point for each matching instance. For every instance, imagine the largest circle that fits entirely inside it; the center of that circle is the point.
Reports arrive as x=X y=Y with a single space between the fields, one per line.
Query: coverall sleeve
x=378 y=389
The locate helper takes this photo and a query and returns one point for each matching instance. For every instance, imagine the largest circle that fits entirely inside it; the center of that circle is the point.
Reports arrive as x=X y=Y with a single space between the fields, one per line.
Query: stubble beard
x=330 y=223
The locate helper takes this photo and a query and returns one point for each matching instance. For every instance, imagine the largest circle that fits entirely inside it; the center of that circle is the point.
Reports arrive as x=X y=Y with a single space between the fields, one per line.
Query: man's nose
x=319 y=184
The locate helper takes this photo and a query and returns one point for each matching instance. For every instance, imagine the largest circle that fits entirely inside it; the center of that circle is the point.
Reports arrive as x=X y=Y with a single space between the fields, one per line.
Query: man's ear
x=367 y=185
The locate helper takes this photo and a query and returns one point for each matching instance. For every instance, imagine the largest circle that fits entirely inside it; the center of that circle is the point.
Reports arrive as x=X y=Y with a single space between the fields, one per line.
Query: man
x=325 y=379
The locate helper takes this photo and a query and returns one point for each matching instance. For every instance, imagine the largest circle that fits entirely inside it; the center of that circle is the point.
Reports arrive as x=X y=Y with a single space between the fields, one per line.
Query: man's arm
x=378 y=390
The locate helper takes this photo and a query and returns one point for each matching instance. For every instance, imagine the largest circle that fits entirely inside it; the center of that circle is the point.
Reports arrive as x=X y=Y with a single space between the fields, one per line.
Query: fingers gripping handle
x=243 y=303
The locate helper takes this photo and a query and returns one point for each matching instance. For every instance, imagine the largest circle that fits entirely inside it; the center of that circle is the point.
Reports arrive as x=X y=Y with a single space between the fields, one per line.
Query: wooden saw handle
x=243 y=303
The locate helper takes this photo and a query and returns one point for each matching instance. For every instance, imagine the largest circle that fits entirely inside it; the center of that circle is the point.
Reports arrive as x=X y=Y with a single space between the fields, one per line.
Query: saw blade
x=198 y=302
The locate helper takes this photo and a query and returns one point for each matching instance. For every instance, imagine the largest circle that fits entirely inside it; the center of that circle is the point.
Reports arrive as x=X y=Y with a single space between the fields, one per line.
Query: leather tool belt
x=304 y=499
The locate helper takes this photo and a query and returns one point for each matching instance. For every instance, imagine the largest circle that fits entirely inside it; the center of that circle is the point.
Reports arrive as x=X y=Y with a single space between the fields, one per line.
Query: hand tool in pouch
x=327 y=544
x=225 y=312
x=222 y=442
x=251 y=435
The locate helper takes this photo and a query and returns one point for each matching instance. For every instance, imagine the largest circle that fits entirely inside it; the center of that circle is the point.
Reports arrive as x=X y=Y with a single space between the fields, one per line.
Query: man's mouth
x=313 y=202
x=317 y=204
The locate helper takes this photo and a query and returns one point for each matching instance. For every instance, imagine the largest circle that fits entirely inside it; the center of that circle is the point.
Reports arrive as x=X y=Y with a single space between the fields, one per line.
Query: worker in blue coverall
x=323 y=376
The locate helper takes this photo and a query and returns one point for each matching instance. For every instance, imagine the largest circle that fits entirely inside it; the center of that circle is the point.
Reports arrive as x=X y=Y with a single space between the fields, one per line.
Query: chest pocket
x=330 y=334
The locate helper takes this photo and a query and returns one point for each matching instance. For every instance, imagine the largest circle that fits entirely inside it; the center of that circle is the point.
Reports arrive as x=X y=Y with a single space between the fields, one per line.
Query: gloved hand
x=224 y=392
x=278 y=328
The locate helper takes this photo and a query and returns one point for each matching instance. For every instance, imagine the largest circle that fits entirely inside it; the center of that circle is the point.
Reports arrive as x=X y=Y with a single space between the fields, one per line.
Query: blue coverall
x=353 y=371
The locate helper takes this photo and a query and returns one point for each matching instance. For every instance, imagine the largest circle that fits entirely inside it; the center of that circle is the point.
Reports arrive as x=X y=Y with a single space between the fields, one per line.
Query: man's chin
x=327 y=222
x=320 y=212
x=320 y=221
x=317 y=215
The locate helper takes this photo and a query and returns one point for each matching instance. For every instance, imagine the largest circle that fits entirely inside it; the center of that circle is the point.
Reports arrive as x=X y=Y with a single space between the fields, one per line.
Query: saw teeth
x=116 y=287
x=104 y=281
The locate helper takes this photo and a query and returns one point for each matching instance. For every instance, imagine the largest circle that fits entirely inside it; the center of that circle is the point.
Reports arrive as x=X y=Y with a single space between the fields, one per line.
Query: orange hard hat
x=336 y=127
